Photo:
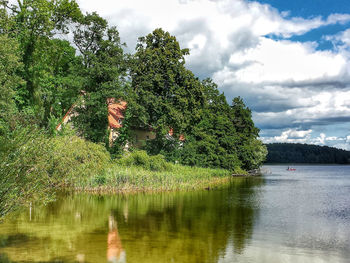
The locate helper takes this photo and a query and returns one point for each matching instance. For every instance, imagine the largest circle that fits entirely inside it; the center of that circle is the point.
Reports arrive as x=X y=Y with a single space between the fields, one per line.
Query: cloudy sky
x=289 y=60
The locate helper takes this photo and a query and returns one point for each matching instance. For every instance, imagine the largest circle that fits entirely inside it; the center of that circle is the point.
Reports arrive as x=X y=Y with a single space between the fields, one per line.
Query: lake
x=283 y=216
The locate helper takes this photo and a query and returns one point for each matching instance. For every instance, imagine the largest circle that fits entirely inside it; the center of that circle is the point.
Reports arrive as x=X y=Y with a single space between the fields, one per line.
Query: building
x=116 y=116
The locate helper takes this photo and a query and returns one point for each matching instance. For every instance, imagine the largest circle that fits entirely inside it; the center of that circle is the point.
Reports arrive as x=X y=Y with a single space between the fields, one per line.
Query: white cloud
x=338 y=18
x=222 y=18
x=341 y=42
x=290 y=136
x=277 y=61
x=348 y=139
x=307 y=108
x=320 y=139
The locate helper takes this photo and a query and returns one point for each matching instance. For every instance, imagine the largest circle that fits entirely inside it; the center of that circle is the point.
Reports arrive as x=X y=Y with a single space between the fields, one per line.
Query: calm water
x=301 y=216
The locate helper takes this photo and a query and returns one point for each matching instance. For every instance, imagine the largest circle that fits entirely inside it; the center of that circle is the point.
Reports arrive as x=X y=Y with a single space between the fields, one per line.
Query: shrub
x=25 y=155
x=75 y=159
x=32 y=165
x=158 y=163
x=142 y=159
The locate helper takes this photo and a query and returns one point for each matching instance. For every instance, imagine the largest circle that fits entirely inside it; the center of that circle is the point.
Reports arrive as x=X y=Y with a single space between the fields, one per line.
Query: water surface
x=300 y=216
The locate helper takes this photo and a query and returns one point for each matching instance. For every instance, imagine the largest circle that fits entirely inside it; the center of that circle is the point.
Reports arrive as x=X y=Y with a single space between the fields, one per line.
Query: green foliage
x=34 y=24
x=42 y=76
x=169 y=94
x=243 y=119
x=257 y=151
x=239 y=171
x=75 y=160
x=9 y=80
x=225 y=136
x=33 y=165
x=104 y=71
x=304 y=153
x=137 y=173
x=24 y=154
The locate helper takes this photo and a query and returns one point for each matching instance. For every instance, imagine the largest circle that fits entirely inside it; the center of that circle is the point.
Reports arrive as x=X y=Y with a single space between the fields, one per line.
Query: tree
x=104 y=73
x=250 y=151
x=171 y=96
x=213 y=139
x=242 y=119
x=9 y=65
x=34 y=23
x=304 y=153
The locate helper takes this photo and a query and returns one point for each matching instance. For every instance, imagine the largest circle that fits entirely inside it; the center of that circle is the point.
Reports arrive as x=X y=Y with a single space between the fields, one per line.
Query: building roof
x=116 y=112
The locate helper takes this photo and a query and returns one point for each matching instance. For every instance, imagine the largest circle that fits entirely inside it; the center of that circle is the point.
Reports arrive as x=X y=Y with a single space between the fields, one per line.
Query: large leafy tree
x=9 y=65
x=242 y=119
x=103 y=73
x=250 y=150
x=213 y=139
x=35 y=24
x=169 y=94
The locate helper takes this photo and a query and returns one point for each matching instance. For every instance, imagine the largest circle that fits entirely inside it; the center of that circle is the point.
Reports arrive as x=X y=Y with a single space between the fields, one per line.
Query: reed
x=138 y=172
x=119 y=178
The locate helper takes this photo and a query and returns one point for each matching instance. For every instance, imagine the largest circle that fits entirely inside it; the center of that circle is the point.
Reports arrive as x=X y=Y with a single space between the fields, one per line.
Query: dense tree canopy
x=9 y=80
x=34 y=24
x=43 y=76
x=170 y=96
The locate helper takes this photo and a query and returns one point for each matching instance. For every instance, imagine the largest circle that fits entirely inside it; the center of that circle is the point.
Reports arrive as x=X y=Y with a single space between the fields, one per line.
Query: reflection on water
x=282 y=217
x=166 y=227
x=115 y=251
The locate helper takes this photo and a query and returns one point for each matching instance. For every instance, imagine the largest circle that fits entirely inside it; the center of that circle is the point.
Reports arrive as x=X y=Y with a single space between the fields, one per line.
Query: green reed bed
x=140 y=172
x=135 y=178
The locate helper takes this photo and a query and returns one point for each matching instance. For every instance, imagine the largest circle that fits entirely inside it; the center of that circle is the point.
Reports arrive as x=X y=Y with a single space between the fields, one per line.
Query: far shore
x=307 y=164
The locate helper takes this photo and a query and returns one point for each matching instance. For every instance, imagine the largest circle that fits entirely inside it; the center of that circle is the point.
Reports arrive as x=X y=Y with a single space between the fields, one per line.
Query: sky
x=288 y=60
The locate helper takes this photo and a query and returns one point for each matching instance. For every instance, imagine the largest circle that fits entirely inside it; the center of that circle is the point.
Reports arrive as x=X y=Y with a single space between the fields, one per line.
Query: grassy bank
x=139 y=172
x=133 y=179
x=33 y=166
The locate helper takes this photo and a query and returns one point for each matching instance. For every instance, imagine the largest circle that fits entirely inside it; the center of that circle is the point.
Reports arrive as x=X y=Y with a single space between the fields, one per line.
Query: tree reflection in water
x=164 y=227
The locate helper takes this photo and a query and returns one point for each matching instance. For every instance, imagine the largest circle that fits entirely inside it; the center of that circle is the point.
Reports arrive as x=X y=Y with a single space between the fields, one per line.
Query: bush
x=32 y=165
x=25 y=155
x=75 y=159
x=142 y=159
x=158 y=163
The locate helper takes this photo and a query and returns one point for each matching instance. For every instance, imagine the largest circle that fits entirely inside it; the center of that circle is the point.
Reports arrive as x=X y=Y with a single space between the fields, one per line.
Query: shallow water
x=300 y=216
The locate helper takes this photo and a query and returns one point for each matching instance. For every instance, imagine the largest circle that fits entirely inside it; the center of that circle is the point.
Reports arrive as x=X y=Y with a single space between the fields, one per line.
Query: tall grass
x=33 y=165
x=139 y=172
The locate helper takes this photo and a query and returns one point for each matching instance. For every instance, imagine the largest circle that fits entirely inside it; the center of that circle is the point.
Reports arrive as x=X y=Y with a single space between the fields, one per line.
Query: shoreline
x=169 y=182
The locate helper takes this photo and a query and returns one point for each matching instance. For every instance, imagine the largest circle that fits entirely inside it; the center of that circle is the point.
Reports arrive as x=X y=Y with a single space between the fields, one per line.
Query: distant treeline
x=305 y=153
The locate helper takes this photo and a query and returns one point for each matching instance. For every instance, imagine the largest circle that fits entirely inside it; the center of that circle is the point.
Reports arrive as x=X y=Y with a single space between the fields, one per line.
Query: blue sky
x=289 y=60
x=310 y=9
